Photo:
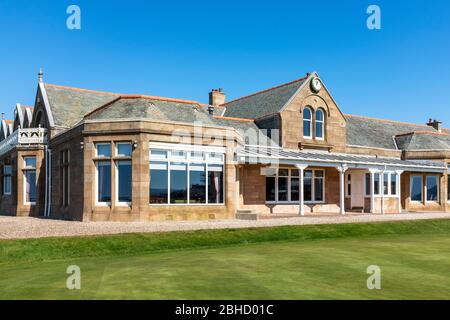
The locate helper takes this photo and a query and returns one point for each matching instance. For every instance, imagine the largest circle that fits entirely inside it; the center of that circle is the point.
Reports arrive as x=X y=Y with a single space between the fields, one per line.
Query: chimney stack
x=216 y=97
x=435 y=124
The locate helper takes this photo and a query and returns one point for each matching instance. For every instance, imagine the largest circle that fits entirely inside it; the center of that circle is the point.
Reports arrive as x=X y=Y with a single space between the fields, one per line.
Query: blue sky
x=185 y=48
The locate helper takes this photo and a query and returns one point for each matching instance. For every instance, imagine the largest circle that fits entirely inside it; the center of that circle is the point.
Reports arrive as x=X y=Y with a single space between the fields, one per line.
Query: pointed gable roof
x=263 y=103
x=69 y=105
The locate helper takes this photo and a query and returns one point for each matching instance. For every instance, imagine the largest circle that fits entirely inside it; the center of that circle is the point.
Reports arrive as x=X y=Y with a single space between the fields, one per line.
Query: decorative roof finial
x=40 y=75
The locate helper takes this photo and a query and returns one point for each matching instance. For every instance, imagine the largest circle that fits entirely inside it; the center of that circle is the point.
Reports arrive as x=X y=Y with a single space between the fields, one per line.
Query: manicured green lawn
x=306 y=262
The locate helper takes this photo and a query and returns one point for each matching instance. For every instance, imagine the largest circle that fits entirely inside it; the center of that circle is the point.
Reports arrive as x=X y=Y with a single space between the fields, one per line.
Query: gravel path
x=25 y=227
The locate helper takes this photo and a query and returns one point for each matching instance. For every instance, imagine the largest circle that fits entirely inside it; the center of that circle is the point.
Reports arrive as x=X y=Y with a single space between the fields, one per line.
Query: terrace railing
x=23 y=137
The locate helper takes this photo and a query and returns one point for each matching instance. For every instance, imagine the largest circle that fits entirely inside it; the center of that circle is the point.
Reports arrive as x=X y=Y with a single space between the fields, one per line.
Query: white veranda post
x=399 y=189
x=372 y=189
x=342 y=169
x=301 y=168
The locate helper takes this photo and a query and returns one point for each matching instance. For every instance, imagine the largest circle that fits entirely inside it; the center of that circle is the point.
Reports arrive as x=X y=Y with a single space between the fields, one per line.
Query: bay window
x=185 y=176
x=283 y=186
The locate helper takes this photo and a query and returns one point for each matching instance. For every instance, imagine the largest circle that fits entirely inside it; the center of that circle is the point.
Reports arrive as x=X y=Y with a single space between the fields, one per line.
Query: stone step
x=245 y=214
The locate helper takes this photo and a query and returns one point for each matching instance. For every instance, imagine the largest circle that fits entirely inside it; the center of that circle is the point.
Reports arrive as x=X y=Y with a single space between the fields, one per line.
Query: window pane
x=448 y=187
x=386 y=183
x=7 y=185
x=30 y=162
x=306 y=128
x=124 y=149
x=432 y=188
x=318 y=189
x=319 y=115
x=158 y=154
x=282 y=189
x=103 y=150
x=295 y=173
x=216 y=157
x=215 y=184
x=104 y=181
x=283 y=172
x=178 y=183
x=319 y=130
x=377 y=183
x=393 y=184
x=30 y=185
x=7 y=170
x=179 y=155
x=295 y=186
x=368 y=184
x=197 y=180
x=416 y=188
x=158 y=182
x=197 y=156
x=270 y=188
x=307 y=182
x=124 y=182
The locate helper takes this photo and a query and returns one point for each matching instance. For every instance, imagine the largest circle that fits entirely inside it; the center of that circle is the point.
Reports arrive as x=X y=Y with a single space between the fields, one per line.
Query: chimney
x=3 y=116
x=216 y=97
x=435 y=124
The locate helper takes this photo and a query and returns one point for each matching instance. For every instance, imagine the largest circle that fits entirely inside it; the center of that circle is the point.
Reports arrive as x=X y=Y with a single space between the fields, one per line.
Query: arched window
x=320 y=122
x=307 y=122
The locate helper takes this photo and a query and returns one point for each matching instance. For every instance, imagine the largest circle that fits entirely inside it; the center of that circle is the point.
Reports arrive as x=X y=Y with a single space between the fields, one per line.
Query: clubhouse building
x=285 y=151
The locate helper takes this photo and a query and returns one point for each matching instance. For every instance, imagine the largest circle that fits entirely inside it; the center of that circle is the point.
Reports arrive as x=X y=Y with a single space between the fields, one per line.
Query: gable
x=334 y=123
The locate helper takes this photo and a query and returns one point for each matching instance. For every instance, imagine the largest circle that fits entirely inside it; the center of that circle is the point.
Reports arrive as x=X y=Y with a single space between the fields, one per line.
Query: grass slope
x=303 y=262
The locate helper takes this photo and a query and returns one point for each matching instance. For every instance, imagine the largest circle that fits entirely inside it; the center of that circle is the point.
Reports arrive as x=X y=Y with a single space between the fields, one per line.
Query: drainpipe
x=48 y=181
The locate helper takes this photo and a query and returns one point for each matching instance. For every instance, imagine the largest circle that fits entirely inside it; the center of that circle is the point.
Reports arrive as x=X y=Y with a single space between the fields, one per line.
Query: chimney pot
x=216 y=97
x=437 y=125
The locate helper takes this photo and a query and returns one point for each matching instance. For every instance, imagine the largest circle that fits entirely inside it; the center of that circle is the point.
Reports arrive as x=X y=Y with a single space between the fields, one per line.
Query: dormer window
x=320 y=120
x=307 y=123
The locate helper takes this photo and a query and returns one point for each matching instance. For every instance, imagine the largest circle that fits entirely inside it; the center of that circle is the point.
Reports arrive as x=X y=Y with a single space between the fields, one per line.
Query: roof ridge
x=266 y=90
x=141 y=96
x=390 y=121
x=422 y=133
x=233 y=119
x=83 y=90
x=125 y=96
x=137 y=96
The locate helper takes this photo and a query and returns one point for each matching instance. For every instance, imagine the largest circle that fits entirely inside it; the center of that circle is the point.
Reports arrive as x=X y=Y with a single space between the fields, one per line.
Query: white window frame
x=25 y=169
x=313 y=178
x=323 y=125
x=381 y=185
x=421 y=188
x=10 y=180
x=102 y=203
x=426 y=188
x=116 y=149
x=207 y=160
x=116 y=183
x=310 y=136
x=102 y=144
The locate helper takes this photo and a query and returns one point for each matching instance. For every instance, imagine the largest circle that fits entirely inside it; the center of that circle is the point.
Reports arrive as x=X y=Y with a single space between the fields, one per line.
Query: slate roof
x=165 y=110
x=264 y=153
x=377 y=133
x=69 y=105
x=263 y=103
x=423 y=141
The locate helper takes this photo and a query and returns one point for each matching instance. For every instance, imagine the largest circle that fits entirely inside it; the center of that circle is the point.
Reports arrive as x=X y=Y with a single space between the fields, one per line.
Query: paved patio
x=26 y=227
